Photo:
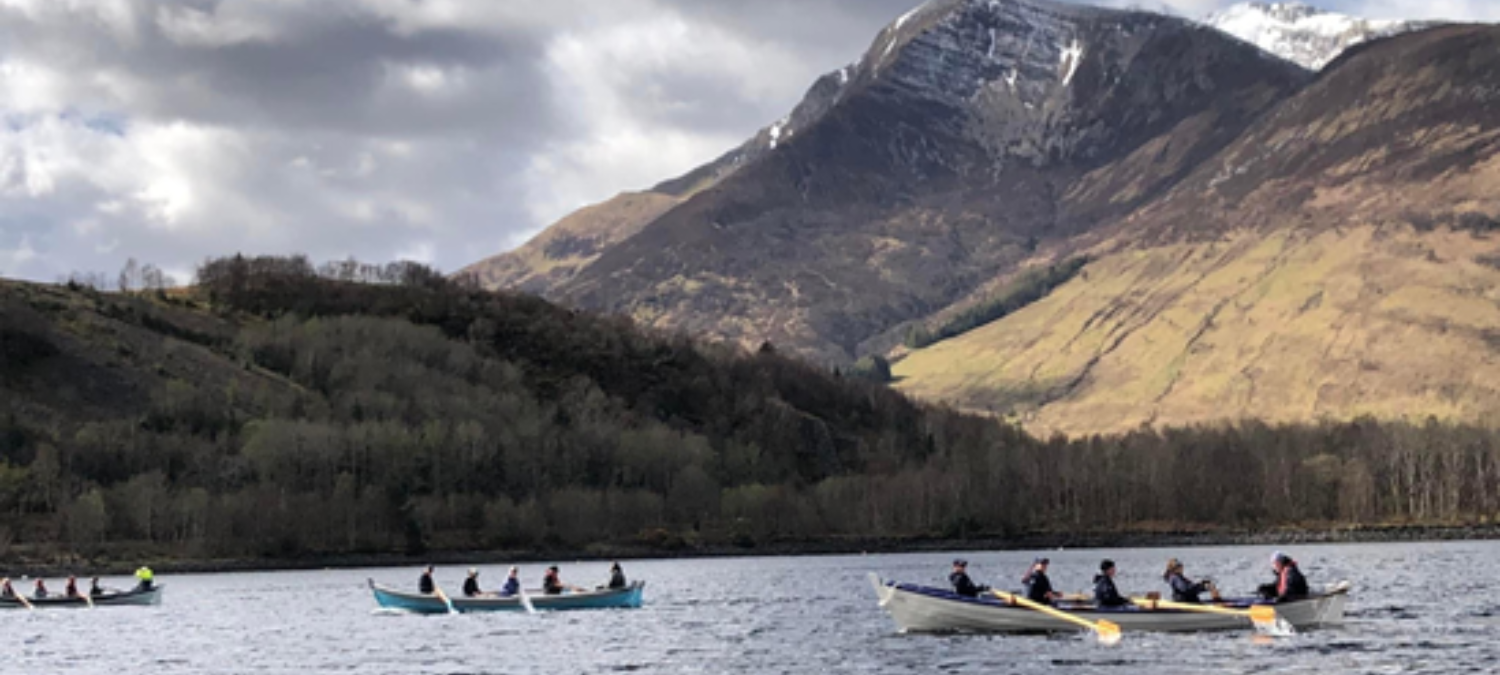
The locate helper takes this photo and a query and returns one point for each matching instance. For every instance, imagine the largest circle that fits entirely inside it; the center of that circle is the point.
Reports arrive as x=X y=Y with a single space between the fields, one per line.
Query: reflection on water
x=1416 y=608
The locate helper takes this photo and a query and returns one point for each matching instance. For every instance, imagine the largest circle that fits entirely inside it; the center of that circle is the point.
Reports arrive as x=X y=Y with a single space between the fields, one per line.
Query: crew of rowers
x=552 y=584
x=39 y=590
x=1290 y=584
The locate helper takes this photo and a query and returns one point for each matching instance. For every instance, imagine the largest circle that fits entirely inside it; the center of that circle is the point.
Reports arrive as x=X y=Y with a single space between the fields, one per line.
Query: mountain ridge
x=981 y=139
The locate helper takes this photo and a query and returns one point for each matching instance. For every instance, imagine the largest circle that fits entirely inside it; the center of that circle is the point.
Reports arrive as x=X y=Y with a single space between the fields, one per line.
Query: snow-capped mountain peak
x=1301 y=33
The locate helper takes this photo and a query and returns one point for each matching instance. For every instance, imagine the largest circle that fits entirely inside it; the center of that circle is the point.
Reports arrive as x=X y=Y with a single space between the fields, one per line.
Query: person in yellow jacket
x=145 y=577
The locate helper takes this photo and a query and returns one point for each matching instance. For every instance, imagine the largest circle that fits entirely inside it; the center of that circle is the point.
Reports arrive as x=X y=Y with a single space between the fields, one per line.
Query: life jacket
x=1290 y=583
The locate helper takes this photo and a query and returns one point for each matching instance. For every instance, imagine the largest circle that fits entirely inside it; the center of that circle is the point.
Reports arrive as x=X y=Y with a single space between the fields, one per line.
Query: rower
x=471 y=584
x=1183 y=588
x=962 y=585
x=40 y=591
x=1038 y=586
x=424 y=584
x=512 y=583
x=71 y=590
x=94 y=589
x=1290 y=584
x=553 y=585
x=6 y=590
x=616 y=576
x=1105 y=593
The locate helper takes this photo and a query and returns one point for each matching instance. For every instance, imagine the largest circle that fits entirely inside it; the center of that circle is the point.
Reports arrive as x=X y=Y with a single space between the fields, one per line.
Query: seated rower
x=553 y=585
x=71 y=590
x=94 y=589
x=616 y=577
x=425 y=584
x=962 y=585
x=1038 y=586
x=1184 y=589
x=1105 y=593
x=471 y=584
x=6 y=591
x=512 y=584
x=1290 y=584
x=40 y=591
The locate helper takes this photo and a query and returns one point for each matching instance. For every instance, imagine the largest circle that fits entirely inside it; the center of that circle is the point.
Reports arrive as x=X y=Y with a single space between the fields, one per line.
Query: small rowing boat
x=923 y=609
x=603 y=598
x=132 y=597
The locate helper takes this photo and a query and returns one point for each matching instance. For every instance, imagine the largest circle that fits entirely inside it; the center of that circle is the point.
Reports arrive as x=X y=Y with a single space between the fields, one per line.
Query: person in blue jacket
x=512 y=584
x=1183 y=588
x=1105 y=593
x=962 y=584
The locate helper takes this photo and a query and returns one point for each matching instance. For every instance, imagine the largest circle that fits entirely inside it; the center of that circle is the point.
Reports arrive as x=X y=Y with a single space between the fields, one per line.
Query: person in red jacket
x=1290 y=584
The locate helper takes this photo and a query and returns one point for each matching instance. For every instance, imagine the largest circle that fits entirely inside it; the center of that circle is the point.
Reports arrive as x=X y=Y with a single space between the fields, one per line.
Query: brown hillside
x=967 y=138
x=558 y=253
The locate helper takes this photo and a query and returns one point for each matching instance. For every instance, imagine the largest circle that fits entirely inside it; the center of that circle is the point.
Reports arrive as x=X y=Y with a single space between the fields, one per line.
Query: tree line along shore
x=279 y=412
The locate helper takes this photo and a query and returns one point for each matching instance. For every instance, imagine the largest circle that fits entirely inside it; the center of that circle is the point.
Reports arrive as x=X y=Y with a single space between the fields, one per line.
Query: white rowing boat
x=923 y=609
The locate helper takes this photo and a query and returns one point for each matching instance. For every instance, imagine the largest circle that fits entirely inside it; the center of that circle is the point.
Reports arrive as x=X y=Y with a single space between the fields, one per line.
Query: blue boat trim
x=629 y=597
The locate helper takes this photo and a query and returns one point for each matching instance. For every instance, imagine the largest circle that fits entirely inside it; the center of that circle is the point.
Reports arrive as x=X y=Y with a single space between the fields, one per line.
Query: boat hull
x=629 y=597
x=130 y=598
x=920 y=609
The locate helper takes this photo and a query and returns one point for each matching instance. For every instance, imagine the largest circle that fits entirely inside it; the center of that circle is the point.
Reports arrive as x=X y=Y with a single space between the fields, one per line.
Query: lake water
x=1416 y=608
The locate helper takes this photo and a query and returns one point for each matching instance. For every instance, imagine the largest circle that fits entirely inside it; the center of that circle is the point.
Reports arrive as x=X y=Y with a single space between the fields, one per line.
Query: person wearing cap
x=512 y=584
x=425 y=584
x=1289 y=584
x=94 y=589
x=1184 y=589
x=962 y=584
x=471 y=584
x=1038 y=586
x=1105 y=593
x=617 y=576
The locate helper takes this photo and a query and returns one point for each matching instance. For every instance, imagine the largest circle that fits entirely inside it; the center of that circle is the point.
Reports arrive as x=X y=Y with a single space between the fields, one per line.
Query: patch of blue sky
x=114 y=124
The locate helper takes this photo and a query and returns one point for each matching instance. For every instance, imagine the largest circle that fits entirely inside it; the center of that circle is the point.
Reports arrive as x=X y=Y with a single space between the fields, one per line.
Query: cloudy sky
x=435 y=130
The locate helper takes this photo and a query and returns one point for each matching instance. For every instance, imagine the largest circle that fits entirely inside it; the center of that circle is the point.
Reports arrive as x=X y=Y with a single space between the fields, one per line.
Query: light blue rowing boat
x=628 y=597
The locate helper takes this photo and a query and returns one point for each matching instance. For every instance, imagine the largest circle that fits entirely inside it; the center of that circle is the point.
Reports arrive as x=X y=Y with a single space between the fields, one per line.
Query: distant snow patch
x=775 y=133
x=1072 y=56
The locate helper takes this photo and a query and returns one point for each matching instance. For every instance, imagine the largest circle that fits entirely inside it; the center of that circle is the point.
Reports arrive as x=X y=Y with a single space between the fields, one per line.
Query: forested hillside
x=274 y=411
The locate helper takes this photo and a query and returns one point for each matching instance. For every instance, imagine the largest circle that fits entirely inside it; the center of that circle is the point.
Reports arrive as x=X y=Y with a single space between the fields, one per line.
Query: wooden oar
x=1107 y=631
x=1263 y=616
x=438 y=591
x=525 y=601
x=88 y=600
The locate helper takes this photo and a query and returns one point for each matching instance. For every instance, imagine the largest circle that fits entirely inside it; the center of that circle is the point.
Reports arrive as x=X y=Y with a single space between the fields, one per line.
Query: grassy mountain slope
x=1286 y=327
x=1335 y=261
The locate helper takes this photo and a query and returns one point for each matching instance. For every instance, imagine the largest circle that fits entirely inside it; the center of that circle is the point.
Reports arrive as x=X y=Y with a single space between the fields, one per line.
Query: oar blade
x=1266 y=621
x=1108 y=632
